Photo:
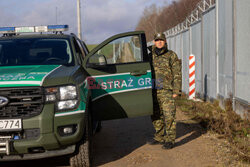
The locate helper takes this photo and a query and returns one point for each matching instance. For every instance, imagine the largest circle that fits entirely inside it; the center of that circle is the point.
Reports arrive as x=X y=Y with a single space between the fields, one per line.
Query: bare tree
x=161 y=19
x=148 y=21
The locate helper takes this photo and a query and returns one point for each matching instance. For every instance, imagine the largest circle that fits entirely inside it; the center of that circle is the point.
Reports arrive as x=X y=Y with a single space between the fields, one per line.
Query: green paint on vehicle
x=118 y=83
x=12 y=76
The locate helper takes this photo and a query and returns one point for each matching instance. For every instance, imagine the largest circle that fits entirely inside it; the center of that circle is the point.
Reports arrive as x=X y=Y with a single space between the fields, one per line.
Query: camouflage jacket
x=166 y=69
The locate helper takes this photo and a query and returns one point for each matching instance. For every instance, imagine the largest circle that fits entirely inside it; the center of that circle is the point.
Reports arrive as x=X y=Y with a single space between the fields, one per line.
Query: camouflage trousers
x=164 y=116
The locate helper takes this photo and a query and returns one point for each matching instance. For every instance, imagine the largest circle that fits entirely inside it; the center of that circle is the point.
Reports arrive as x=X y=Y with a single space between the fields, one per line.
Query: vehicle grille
x=23 y=102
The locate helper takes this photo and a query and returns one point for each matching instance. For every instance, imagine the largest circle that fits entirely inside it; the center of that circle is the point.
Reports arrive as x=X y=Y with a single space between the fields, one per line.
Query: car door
x=119 y=76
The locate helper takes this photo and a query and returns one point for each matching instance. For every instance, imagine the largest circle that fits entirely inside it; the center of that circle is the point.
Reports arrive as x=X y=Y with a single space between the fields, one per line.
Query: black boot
x=168 y=145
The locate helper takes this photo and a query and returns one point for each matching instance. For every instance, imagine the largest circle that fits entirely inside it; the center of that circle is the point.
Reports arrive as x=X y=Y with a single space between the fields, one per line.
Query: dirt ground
x=122 y=143
x=127 y=146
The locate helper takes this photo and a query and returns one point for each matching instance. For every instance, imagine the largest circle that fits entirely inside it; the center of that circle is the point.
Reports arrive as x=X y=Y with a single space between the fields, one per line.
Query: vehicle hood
x=13 y=76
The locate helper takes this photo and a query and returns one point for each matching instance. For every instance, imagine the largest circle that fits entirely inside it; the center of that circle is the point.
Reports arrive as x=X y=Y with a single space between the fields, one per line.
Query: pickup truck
x=54 y=92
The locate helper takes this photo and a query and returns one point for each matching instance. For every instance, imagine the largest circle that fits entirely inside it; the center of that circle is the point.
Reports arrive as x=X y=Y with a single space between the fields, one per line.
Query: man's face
x=159 y=43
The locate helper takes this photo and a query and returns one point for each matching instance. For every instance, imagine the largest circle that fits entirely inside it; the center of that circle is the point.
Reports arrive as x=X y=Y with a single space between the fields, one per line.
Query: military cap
x=159 y=36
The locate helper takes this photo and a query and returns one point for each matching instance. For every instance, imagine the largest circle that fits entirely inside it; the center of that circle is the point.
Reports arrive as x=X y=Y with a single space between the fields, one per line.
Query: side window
x=81 y=47
x=123 y=50
x=79 y=51
x=82 y=50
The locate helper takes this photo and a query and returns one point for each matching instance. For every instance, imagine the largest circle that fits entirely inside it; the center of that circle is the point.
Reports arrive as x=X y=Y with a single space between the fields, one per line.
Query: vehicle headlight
x=51 y=94
x=68 y=93
x=69 y=104
x=64 y=96
x=51 y=97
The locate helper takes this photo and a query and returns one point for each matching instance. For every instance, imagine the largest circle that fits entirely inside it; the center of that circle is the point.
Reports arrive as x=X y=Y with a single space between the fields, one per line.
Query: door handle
x=138 y=73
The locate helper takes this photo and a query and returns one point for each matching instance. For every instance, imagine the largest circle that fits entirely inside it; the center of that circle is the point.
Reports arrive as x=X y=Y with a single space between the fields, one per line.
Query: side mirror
x=97 y=60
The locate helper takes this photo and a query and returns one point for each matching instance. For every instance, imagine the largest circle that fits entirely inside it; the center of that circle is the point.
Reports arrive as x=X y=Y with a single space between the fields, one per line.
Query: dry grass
x=226 y=123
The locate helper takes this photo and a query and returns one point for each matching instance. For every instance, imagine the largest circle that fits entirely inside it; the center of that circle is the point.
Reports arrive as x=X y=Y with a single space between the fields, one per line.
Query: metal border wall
x=196 y=51
x=209 y=54
x=225 y=35
x=185 y=63
x=242 y=49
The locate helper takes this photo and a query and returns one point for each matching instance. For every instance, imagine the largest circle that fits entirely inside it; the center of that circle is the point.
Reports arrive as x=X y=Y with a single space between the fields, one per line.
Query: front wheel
x=83 y=158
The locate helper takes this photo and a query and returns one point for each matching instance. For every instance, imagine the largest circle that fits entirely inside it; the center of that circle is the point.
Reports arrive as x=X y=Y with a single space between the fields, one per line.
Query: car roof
x=28 y=36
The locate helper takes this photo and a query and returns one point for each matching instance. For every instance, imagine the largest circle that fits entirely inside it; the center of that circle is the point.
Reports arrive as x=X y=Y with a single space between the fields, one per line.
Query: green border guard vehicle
x=54 y=92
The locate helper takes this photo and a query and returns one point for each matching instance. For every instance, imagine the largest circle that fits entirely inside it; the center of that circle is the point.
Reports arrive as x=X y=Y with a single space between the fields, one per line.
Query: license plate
x=10 y=124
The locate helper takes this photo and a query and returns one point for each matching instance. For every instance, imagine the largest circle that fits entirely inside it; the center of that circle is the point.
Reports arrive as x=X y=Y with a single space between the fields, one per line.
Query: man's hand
x=175 y=95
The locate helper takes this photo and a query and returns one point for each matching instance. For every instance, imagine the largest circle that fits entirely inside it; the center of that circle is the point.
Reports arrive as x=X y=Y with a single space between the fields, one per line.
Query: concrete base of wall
x=242 y=109
x=222 y=102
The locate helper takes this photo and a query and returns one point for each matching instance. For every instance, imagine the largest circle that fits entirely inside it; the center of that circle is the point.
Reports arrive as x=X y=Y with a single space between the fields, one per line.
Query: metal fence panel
x=196 y=50
x=242 y=50
x=225 y=52
x=185 y=65
x=172 y=44
x=179 y=46
x=168 y=42
x=209 y=53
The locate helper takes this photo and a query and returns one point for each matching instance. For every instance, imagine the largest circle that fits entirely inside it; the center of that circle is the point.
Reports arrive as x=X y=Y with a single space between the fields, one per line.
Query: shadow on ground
x=191 y=131
x=117 y=139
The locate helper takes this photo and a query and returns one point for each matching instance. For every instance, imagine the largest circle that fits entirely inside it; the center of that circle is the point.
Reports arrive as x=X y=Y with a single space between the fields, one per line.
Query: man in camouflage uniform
x=167 y=75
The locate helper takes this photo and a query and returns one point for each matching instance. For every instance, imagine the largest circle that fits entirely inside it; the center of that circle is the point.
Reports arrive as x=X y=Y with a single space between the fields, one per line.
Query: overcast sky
x=100 y=18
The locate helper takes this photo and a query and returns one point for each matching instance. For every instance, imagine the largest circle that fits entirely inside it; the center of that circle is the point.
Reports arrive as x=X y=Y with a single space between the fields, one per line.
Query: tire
x=83 y=157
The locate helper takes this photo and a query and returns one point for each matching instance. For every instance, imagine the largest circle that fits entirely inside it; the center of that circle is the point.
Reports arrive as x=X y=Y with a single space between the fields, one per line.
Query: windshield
x=35 y=51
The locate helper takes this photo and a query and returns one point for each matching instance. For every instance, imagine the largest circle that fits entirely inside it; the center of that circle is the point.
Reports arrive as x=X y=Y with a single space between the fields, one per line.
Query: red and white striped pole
x=191 y=76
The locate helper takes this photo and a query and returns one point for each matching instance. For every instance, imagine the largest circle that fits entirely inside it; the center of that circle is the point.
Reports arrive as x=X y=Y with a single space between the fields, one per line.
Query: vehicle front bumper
x=49 y=139
x=46 y=154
